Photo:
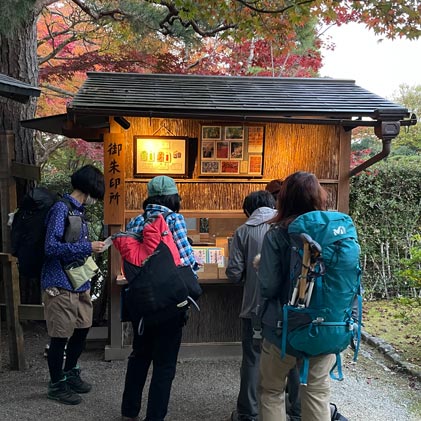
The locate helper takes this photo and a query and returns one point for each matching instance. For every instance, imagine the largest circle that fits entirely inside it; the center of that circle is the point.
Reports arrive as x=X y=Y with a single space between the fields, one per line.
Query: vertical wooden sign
x=114 y=173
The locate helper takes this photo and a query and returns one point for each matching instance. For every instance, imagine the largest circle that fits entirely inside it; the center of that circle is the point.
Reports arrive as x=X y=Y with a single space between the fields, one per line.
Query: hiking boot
x=75 y=382
x=62 y=393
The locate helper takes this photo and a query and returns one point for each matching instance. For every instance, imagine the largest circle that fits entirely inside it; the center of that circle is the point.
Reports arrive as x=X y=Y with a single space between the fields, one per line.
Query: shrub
x=385 y=204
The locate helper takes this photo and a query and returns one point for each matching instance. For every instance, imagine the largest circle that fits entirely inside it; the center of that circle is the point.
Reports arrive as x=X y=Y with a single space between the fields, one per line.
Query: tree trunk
x=18 y=59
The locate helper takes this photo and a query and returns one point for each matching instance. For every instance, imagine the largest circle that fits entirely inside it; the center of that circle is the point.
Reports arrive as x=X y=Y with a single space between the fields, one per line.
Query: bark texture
x=18 y=59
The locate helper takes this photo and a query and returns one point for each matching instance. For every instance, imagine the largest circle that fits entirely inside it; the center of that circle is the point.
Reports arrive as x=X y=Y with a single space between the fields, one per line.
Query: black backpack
x=28 y=229
x=158 y=288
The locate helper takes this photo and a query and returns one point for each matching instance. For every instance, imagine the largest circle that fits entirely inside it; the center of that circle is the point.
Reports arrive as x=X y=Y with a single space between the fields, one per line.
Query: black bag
x=158 y=289
x=28 y=229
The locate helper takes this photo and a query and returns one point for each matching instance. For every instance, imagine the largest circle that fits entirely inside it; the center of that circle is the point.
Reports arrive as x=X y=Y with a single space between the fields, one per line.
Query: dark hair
x=89 y=180
x=301 y=192
x=171 y=201
x=273 y=187
x=256 y=200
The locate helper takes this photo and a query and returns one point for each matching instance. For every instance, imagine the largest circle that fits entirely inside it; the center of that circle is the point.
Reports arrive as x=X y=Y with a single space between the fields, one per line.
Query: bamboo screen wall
x=288 y=148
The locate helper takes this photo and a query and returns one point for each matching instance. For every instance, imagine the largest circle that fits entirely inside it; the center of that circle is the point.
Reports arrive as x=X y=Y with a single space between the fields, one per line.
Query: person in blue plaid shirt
x=159 y=343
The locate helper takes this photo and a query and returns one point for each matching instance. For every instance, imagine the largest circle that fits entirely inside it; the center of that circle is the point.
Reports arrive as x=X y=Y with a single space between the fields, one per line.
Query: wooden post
x=344 y=162
x=8 y=263
x=114 y=205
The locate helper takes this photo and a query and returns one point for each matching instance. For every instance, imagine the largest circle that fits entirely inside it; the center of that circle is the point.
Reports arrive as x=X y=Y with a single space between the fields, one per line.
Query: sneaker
x=75 y=382
x=62 y=393
x=236 y=417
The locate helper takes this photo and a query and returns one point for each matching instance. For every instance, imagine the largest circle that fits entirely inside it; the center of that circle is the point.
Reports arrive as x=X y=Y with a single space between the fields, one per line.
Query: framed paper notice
x=230 y=167
x=222 y=150
x=210 y=167
x=255 y=164
x=160 y=155
x=255 y=139
x=236 y=150
x=211 y=132
x=208 y=149
x=234 y=132
x=231 y=150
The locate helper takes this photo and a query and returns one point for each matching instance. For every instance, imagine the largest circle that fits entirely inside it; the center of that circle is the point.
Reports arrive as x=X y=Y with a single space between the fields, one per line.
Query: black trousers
x=159 y=345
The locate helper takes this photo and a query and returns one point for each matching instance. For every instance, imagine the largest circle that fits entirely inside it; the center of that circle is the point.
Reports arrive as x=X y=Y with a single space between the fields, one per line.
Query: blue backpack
x=324 y=312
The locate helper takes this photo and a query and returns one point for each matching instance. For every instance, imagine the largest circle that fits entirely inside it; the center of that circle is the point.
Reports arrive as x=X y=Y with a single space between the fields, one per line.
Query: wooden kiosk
x=220 y=138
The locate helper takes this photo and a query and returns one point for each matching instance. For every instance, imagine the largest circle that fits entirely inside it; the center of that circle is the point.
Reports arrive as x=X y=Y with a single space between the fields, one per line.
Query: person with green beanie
x=160 y=341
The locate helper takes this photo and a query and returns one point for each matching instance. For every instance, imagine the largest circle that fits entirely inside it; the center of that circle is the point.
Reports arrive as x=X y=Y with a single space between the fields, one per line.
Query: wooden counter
x=218 y=319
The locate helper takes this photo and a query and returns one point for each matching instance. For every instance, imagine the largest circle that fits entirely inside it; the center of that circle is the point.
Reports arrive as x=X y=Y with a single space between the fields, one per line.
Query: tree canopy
x=242 y=37
x=410 y=139
x=396 y=18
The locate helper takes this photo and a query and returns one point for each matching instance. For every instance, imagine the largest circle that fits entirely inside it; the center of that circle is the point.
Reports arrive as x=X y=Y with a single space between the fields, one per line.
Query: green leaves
x=411 y=272
x=386 y=206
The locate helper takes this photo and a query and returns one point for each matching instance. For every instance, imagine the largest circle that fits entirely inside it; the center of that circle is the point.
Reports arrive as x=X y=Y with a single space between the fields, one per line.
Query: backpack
x=28 y=229
x=323 y=315
x=158 y=286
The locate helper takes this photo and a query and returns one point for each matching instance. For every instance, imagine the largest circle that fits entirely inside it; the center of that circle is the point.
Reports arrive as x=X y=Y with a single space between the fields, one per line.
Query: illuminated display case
x=160 y=155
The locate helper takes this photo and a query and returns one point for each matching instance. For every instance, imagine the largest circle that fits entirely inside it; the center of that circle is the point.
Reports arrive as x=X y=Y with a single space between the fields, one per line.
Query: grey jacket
x=246 y=244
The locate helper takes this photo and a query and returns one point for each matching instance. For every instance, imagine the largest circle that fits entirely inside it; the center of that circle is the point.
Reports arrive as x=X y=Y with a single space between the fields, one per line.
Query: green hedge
x=385 y=203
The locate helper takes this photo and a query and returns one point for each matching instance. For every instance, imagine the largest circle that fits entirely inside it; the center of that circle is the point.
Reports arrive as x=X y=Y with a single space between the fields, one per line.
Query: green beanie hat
x=162 y=186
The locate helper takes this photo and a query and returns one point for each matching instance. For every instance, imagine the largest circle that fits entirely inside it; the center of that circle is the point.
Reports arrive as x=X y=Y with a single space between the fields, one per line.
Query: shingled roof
x=207 y=98
x=226 y=97
x=16 y=89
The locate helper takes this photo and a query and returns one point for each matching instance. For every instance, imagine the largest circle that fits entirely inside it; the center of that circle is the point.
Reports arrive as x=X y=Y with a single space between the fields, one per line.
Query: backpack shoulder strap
x=165 y=215
x=73 y=223
x=68 y=203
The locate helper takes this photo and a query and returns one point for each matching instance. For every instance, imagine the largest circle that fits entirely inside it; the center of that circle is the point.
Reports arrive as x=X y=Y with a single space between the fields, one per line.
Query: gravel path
x=203 y=389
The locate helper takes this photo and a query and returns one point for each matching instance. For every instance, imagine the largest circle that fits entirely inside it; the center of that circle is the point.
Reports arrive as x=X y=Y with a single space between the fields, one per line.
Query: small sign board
x=26 y=171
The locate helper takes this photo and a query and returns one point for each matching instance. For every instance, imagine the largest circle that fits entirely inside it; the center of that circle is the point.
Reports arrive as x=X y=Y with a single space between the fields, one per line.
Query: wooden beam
x=344 y=163
x=128 y=214
x=114 y=171
x=12 y=298
x=114 y=319
x=9 y=266
x=29 y=311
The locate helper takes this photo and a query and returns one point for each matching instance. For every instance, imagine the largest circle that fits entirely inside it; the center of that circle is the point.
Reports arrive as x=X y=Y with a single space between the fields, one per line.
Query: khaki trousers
x=315 y=397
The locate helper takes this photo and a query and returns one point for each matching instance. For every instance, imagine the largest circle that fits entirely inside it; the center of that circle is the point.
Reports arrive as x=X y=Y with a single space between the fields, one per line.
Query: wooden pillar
x=114 y=204
x=344 y=164
x=8 y=263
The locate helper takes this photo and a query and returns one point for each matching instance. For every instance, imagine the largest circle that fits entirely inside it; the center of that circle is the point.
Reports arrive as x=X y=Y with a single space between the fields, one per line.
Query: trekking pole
x=315 y=251
x=302 y=280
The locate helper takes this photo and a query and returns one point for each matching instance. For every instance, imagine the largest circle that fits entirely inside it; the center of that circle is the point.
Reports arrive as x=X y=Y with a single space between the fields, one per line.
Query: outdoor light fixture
x=122 y=122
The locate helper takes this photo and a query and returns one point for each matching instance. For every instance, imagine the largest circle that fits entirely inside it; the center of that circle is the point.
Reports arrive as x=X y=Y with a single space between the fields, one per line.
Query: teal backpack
x=324 y=312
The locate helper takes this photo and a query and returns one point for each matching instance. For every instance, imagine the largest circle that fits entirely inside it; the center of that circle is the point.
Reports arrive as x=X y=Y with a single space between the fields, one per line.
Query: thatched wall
x=288 y=148
x=209 y=195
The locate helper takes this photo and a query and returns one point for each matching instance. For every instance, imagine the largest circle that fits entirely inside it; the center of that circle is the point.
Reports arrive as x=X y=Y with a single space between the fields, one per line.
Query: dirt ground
x=204 y=389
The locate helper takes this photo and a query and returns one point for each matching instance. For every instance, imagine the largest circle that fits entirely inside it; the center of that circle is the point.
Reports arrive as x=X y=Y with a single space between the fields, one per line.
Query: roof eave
x=379 y=114
x=18 y=93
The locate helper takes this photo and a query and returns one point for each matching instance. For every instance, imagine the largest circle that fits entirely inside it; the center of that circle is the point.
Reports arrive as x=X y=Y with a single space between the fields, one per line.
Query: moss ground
x=398 y=322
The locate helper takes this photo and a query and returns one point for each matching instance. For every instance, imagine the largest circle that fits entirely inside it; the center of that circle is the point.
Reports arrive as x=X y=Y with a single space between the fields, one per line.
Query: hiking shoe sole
x=74 y=401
